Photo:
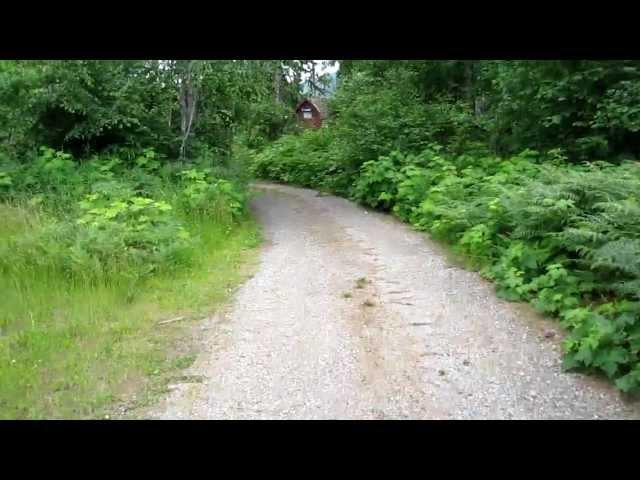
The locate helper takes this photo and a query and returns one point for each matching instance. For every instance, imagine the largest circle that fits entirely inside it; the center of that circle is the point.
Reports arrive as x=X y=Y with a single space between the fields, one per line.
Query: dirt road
x=352 y=315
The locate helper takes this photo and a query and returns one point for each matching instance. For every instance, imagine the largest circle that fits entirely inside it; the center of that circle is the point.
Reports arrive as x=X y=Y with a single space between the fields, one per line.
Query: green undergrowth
x=93 y=256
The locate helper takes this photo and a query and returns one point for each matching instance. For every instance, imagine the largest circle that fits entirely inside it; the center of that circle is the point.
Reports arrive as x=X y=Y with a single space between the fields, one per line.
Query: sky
x=332 y=69
x=320 y=70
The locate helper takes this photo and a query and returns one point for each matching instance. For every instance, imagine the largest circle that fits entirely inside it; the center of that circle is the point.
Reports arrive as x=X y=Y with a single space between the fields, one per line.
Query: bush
x=566 y=238
x=204 y=195
x=134 y=231
x=300 y=159
x=119 y=214
x=377 y=185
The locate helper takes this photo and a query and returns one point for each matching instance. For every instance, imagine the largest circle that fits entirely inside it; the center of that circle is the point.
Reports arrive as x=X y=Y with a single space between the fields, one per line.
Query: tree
x=188 y=100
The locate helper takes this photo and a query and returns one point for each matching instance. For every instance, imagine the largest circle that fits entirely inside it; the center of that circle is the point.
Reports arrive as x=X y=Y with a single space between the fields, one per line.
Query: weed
x=88 y=267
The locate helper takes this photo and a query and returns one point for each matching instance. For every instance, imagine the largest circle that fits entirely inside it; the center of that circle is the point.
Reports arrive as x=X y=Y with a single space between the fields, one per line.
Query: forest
x=124 y=193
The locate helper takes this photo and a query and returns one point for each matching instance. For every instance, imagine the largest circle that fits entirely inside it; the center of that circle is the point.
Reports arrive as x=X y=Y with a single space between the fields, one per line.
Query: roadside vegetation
x=123 y=218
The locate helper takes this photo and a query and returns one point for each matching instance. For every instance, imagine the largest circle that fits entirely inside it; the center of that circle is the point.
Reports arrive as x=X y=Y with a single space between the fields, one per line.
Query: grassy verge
x=73 y=350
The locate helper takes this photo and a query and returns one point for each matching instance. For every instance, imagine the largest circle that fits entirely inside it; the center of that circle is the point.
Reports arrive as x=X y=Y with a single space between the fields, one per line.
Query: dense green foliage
x=117 y=177
x=117 y=156
x=83 y=247
x=84 y=107
x=525 y=168
x=587 y=108
x=109 y=216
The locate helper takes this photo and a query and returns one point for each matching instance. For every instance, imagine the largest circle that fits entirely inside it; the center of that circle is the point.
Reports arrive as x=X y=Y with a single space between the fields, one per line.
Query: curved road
x=352 y=315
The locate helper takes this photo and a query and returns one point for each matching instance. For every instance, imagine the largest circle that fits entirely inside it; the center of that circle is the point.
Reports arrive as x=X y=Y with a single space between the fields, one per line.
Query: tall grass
x=69 y=349
x=84 y=285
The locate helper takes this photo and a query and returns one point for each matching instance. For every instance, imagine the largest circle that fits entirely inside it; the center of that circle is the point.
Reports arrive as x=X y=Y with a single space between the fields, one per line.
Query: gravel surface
x=415 y=338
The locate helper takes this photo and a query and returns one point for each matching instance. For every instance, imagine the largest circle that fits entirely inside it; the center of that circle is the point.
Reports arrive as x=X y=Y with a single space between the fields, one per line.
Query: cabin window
x=306 y=113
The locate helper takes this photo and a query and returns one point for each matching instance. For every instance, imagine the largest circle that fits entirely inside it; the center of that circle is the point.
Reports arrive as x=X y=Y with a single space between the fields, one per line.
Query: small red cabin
x=311 y=112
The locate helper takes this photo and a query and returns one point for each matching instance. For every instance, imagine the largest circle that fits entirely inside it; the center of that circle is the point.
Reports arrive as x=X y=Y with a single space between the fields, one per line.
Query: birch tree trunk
x=188 y=102
x=277 y=82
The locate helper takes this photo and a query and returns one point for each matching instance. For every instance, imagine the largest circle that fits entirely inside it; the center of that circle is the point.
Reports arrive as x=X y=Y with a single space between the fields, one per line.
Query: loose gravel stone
x=289 y=347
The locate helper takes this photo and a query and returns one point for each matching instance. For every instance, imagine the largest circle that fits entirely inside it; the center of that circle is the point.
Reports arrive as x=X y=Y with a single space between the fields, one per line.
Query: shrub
x=300 y=159
x=377 y=185
x=203 y=195
x=113 y=214
x=135 y=231
x=566 y=238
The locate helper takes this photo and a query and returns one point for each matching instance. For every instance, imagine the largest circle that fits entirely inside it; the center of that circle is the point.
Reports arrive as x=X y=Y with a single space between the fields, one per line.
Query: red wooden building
x=311 y=112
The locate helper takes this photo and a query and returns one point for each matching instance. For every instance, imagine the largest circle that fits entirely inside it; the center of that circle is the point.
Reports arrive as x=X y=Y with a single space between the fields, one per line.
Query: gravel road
x=415 y=338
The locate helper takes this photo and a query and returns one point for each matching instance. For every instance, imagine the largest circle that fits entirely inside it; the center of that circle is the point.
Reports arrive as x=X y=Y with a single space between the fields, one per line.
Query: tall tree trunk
x=297 y=77
x=468 y=81
x=312 y=78
x=188 y=101
x=277 y=82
